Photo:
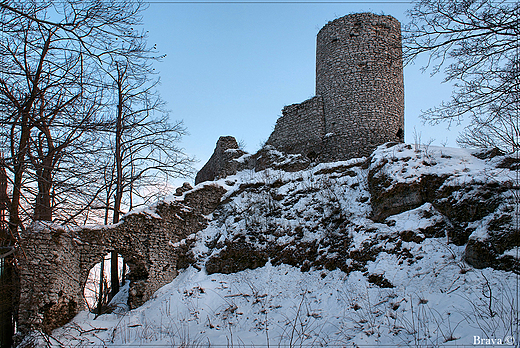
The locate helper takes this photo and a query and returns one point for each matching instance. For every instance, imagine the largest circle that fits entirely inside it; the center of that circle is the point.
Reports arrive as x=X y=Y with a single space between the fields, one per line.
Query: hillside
x=415 y=245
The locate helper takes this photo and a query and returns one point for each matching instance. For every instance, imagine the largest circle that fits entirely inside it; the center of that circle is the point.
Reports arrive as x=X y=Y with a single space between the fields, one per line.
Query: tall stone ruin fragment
x=221 y=163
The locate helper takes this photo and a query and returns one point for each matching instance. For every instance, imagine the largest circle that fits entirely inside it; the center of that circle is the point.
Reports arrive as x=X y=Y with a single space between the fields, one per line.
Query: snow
x=458 y=164
x=435 y=298
x=91 y=289
x=281 y=305
x=413 y=220
x=145 y=210
x=513 y=252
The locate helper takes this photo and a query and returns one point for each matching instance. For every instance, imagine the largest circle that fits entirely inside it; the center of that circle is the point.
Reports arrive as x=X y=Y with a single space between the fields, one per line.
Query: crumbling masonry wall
x=359 y=82
x=55 y=262
x=221 y=163
x=301 y=129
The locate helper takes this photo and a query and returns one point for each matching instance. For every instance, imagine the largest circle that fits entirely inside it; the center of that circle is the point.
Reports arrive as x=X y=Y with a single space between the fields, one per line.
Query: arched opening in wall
x=98 y=287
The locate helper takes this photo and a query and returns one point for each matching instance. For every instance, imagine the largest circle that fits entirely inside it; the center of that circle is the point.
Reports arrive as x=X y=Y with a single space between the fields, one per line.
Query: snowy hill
x=370 y=251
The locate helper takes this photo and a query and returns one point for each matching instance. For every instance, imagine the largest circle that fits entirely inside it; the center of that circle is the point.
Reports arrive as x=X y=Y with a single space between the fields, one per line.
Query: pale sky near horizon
x=232 y=66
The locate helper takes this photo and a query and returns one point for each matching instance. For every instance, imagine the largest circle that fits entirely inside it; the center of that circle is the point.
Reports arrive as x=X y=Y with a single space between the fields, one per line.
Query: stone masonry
x=55 y=262
x=221 y=163
x=301 y=129
x=360 y=94
x=359 y=102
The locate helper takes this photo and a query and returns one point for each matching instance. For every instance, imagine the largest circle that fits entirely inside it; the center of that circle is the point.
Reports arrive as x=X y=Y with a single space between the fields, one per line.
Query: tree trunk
x=114 y=278
x=43 y=208
x=114 y=274
x=7 y=303
x=19 y=169
x=123 y=273
x=101 y=276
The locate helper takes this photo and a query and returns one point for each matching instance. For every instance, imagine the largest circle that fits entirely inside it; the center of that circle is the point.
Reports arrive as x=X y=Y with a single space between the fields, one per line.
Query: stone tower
x=359 y=101
x=359 y=75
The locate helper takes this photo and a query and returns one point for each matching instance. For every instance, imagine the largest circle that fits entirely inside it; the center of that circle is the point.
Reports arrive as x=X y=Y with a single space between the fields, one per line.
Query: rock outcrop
x=285 y=209
x=475 y=194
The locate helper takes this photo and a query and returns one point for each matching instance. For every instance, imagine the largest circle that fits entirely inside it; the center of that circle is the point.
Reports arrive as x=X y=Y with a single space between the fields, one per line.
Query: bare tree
x=79 y=111
x=53 y=137
x=476 y=42
x=145 y=153
x=51 y=81
x=20 y=88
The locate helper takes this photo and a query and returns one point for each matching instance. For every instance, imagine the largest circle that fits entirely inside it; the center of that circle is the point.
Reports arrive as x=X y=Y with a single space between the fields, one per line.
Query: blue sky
x=232 y=66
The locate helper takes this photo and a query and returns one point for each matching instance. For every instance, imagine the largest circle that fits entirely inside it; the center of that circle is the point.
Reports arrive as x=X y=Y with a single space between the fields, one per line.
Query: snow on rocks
x=377 y=251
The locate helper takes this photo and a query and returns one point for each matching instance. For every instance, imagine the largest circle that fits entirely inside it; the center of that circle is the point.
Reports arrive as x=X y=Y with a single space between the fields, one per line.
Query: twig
x=93 y=329
x=296 y=319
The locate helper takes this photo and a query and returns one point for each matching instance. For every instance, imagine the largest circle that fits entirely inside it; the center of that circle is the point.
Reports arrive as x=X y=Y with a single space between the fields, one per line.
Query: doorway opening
x=98 y=292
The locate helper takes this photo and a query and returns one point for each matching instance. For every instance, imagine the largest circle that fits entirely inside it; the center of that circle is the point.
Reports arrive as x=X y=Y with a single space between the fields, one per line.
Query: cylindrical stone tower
x=359 y=75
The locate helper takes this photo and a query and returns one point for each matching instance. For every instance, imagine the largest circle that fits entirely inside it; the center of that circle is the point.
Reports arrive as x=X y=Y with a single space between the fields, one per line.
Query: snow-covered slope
x=301 y=259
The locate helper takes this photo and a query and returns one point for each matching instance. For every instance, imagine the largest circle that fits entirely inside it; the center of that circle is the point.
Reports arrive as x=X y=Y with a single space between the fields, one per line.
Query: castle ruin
x=359 y=105
x=359 y=102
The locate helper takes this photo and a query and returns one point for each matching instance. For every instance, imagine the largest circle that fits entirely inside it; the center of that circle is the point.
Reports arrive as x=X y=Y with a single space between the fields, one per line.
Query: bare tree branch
x=477 y=43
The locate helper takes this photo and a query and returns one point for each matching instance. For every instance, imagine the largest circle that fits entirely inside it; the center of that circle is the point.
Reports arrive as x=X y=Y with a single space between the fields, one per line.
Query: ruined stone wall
x=359 y=89
x=55 y=262
x=359 y=74
x=221 y=162
x=301 y=129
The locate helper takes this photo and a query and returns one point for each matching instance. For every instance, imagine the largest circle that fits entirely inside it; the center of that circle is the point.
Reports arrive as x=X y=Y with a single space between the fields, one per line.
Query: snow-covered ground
x=436 y=301
x=418 y=292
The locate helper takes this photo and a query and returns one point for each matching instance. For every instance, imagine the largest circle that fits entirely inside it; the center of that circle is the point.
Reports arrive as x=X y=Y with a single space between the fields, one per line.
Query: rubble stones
x=180 y=190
